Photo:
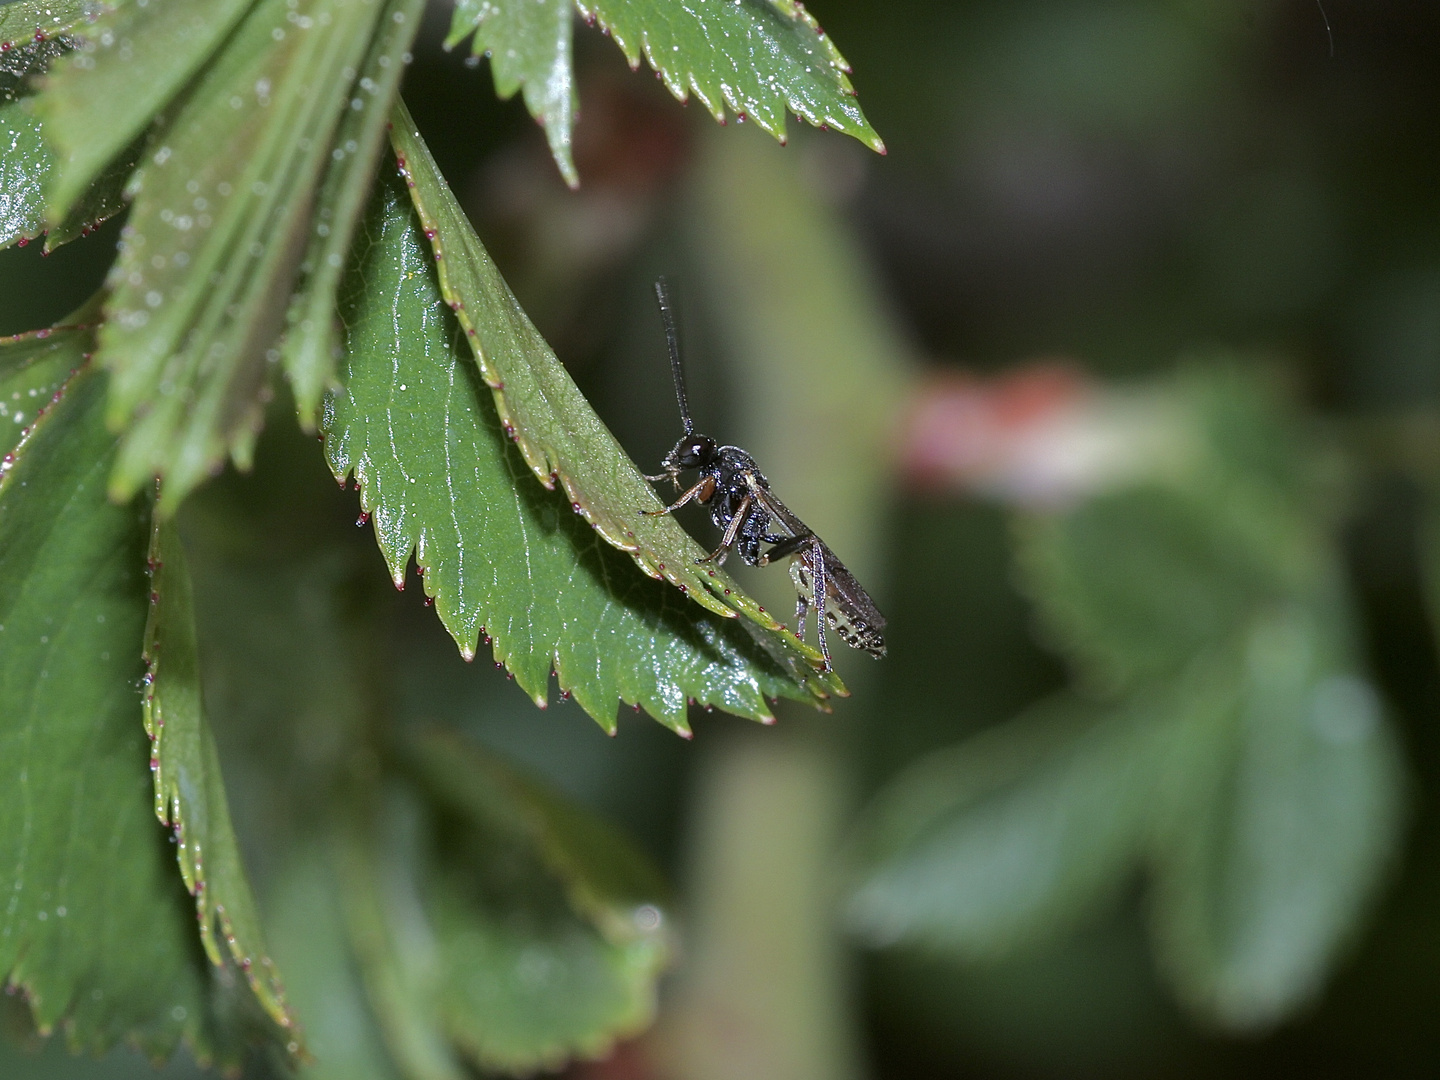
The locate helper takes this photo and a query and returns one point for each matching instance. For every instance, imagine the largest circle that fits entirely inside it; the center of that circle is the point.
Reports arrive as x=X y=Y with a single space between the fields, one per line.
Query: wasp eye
x=693 y=452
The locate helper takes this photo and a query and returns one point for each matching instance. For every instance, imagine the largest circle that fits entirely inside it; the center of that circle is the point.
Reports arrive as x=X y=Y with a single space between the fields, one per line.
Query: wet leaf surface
x=135 y=59
x=529 y=46
x=96 y=930
x=312 y=344
x=214 y=240
x=752 y=58
x=31 y=36
x=502 y=556
x=556 y=430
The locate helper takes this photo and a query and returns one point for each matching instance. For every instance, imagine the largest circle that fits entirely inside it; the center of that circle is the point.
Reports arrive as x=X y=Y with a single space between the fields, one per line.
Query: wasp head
x=691 y=452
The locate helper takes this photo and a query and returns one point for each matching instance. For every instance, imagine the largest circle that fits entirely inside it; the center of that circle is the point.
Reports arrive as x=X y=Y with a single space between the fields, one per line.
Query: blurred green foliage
x=1146 y=786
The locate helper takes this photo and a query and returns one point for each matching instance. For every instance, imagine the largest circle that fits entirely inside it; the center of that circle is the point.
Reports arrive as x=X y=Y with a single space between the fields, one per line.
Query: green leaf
x=198 y=291
x=312 y=346
x=749 y=56
x=379 y=858
x=500 y=555
x=27 y=166
x=135 y=59
x=1132 y=583
x=309 y=935
x=95 y=929
x=189 y=791
x=606 y=878
x=1249 y=767
x=529 y=46
x=1013 y=837
x=518 y=976
x=33 y=30
x=33 y=369
x=1277 y=819
x=557 y=431
x=24 y=167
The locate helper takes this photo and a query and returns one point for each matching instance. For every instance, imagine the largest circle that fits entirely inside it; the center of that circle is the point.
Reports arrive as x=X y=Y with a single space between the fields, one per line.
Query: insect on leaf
x=557 y=431
x=501 y=555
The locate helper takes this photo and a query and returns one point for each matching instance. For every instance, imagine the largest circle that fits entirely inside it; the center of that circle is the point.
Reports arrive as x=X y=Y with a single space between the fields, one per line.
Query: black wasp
x=748 y=514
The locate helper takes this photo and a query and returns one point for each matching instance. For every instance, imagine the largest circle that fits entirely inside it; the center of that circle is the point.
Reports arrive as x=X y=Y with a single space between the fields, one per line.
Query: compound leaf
x=529 y=46
x=222 y=198
x=1012 y=837
x=312 y=346
x=519 y=977
x=557 y=431
x=189 y=791
x=95 y=929
x=753 y=57
x=134 y=60
x=1249 y=769
x=501 y=555
x=31 y=36
x=1278 y=816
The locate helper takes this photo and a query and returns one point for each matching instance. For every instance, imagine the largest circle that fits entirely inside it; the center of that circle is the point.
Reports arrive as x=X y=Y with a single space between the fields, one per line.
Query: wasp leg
x=820 y=586
x=702 y=491
x=787 y=545
x=731 y=531
x=802 y=608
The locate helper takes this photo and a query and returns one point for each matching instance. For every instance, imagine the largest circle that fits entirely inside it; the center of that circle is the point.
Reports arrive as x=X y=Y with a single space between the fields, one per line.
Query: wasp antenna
x=672 y=338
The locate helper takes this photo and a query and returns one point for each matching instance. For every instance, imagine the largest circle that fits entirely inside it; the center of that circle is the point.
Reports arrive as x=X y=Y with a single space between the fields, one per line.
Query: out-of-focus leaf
x=749 y=56
x=500 y=555
x=557 y=431
x=395 y=946
x=312 y=345
x=31 y=35
x=529 y=46
x=96 y=930
x=189 y=791
x=480 y=928
x=1008 y=839
x=1260 y=780
x=1278 y=818
x=214 y=239
x=310 y=938
x=135 y=58
x=605 y=877
x=1132 y=583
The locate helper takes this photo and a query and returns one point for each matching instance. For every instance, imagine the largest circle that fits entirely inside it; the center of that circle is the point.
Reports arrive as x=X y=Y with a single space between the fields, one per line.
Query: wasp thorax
x=693 y=451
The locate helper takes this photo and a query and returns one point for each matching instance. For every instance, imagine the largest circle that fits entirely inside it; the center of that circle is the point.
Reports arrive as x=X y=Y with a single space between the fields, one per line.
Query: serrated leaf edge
x=265 y=983
x=714 y=590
